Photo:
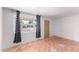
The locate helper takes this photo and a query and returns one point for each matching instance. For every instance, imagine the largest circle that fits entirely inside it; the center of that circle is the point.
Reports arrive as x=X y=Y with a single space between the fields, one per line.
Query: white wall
x=8 y=34
x=67 y=27
x=0 y=29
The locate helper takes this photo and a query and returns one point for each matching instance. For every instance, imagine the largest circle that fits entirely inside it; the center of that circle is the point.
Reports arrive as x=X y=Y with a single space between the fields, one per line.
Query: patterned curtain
x=17 y=37
x=38 y=28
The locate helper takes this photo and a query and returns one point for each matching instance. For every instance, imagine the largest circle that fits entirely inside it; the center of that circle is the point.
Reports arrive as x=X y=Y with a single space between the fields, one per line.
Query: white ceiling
x=50 y=11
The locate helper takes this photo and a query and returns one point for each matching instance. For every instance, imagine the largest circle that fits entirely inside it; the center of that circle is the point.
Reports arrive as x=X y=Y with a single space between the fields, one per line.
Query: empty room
x=39 y=29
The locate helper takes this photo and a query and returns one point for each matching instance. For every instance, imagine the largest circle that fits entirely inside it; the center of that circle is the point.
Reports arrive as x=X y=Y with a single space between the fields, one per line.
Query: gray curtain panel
x=17 y=37
x=38 y=28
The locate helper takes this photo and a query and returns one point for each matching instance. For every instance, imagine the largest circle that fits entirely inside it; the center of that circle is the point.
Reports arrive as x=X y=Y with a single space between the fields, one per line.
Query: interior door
x=46 y=29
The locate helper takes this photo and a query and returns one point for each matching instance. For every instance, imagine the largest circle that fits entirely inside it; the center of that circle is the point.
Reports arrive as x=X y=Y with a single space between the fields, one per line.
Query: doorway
x=46 y=29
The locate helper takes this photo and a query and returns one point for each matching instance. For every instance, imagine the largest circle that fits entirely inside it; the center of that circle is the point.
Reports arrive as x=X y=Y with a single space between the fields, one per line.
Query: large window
x=28 y=23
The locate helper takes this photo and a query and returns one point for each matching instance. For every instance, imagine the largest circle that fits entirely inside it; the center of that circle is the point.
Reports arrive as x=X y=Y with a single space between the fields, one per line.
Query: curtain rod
x=22 y=11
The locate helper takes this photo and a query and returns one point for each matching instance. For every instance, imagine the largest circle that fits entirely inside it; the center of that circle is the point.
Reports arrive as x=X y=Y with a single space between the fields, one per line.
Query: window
x=28 y=24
